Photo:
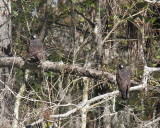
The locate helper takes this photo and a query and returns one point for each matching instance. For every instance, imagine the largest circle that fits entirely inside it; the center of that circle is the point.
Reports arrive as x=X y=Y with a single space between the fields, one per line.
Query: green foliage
x=15 y=13
x=55 y=57
x=20 y=77
x=89 y=3
x=141 y=5
x=158 y=56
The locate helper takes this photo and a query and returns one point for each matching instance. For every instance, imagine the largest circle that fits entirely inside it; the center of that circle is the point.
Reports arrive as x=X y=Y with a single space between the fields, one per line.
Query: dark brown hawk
x=158 y=111
x=123 y=81
x=36 y=50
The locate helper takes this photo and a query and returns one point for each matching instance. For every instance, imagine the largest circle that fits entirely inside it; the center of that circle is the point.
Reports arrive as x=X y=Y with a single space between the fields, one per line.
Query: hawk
x=158 y=109
x=36 y=49
x=123 y=81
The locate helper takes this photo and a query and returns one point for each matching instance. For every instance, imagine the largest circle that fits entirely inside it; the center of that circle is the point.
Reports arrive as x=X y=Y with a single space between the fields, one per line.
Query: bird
x=158 y=108
x=158 y=111
x=36 y=50
x=29 y=126
x=123 y=81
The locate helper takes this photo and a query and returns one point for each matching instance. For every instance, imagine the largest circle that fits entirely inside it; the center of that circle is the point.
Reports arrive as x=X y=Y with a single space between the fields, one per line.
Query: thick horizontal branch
x=76 y=70
x=59 y=68
x=64 y=68
x=56 y=67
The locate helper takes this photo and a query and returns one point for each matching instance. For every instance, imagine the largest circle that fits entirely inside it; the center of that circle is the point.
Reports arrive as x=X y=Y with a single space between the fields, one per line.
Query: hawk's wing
x=123 y=77
x=123 y=81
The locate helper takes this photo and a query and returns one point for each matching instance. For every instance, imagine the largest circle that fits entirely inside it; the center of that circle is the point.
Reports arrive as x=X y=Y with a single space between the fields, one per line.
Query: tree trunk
x=107 y=118
x=85 y=98
x=5 y=76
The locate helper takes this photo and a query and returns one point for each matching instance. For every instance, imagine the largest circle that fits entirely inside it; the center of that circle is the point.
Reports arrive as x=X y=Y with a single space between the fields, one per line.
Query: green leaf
x=15 y=13
x=153 y=19
x=158 y=57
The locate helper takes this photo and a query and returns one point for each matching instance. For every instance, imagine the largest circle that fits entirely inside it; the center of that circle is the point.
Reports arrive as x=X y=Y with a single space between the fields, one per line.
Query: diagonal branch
x=153 y=1
x=97 y=98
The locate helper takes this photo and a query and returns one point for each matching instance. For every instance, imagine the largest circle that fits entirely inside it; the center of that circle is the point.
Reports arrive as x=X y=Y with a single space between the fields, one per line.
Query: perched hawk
x=123 y=81
x=158 y=109
x=36 y=49
x=28 y=126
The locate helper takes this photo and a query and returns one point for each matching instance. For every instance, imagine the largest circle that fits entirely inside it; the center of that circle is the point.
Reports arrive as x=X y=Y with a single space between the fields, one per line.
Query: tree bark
x=5 y=75
x=85 y=98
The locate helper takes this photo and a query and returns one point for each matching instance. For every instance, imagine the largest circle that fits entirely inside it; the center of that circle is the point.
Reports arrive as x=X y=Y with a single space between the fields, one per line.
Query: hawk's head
x=120 y=66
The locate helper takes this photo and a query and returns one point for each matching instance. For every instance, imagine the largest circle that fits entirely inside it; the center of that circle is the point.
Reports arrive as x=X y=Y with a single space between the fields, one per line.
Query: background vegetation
x=94 y=34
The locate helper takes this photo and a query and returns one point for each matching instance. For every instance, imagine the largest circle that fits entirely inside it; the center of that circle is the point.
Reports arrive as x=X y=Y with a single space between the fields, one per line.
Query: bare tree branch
x=153 y=1
x=57 y=67
x=64 y=68
x=97 y=98
x=151 y=122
